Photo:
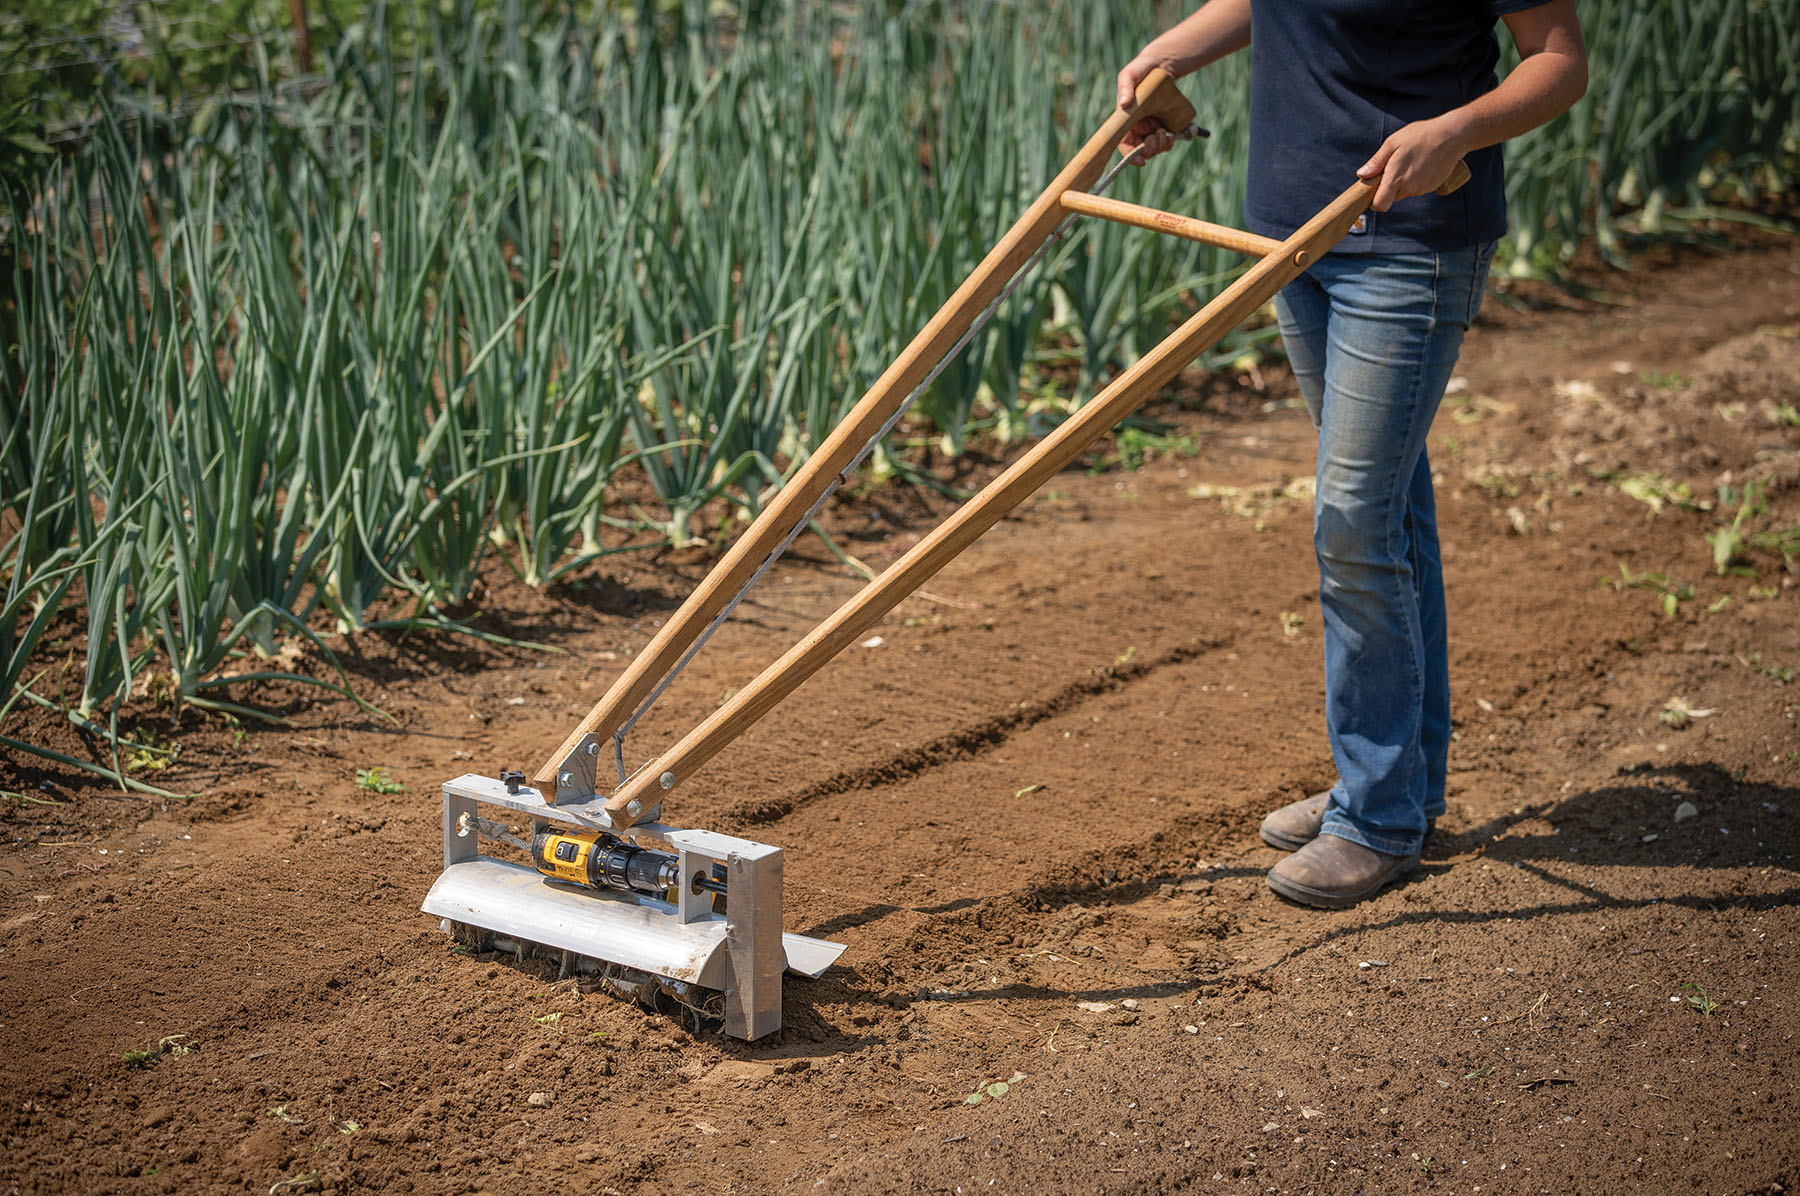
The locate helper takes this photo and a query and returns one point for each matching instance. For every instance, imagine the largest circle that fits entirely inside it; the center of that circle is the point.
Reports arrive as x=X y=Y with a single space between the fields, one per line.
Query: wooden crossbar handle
x=1130 y=390
x=1157 y=98
x=1156 y=220
x=1237 y=240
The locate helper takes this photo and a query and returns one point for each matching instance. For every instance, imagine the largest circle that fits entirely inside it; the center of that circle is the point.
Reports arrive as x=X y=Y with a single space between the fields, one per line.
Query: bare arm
x=1551 y=76
x=1218 y=28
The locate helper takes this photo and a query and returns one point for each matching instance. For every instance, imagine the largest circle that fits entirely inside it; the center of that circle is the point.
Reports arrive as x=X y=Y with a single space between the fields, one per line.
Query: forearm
x=1535 y=92
x=1551 y=76
x=1216 y=29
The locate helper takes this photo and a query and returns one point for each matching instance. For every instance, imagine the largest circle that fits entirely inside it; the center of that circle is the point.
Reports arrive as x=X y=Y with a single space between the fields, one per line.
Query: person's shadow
x=1625 y=845
x=1687 y=835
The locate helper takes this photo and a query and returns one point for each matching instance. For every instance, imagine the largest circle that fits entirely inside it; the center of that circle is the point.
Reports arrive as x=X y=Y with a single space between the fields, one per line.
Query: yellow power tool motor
x=602 y=861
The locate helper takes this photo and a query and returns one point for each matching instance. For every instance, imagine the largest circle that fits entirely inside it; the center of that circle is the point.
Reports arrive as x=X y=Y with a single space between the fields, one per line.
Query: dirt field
x=1031 y=813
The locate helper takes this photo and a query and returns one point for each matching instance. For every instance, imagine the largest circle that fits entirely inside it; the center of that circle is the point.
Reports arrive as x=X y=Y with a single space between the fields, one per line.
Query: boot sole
x=1325 y=899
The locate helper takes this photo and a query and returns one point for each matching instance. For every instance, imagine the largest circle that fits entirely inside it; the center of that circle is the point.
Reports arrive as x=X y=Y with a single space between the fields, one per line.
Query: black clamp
x=513 y=779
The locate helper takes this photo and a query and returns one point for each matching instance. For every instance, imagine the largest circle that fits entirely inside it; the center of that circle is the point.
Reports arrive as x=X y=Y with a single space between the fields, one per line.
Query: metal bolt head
x=634 y=807
x=667 y=780
x=565 y=778
x=593 y=748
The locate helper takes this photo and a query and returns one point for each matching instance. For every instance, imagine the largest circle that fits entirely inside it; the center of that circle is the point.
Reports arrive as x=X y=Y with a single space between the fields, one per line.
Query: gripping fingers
x=1161 y=112
x=1146 y=139
x=1405 y=180
x=1385 y=191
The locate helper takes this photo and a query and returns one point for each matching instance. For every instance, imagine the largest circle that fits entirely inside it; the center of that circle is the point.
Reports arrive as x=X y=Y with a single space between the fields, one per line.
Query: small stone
x=1190 y=1029
x=1130 y=1003
x=1309 y=1114
x=1649 y=839
x=1271 y=1127
x=538 y=1099
x=1685 y=811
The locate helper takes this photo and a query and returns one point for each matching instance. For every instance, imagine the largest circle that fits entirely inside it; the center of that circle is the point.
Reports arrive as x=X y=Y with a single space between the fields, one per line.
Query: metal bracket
x=589 y=813
x=575 y=772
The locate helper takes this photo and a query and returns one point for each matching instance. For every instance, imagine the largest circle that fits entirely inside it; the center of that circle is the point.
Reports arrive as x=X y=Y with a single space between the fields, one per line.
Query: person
x=1399 y=91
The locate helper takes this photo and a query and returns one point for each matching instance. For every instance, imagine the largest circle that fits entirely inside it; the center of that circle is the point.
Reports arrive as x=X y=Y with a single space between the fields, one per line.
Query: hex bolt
x=667 y=780
x=566 y=779
x=593 y=748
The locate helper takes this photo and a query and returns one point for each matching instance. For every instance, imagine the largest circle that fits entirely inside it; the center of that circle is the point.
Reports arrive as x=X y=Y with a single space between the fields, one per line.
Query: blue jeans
x=1373 y=339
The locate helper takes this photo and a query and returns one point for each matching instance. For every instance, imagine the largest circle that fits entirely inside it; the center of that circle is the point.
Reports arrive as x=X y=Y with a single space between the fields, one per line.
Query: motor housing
x=602 y=861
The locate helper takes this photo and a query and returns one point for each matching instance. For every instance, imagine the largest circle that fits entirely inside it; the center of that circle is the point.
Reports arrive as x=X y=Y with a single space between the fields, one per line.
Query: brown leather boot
x=1295 y=824
x=1334 y=873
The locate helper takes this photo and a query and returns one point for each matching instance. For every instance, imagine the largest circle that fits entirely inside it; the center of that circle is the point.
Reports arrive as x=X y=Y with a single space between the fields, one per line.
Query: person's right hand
x=1147 y=133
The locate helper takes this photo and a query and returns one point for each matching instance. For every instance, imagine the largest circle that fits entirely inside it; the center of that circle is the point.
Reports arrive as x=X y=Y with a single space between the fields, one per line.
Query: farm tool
x=695 y=915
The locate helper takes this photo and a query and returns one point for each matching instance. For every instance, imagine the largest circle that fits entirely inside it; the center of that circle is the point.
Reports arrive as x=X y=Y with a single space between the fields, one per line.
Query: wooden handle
x=1459 y=174
x=1156 y=369
x=1159 y=98
x=1168 y=222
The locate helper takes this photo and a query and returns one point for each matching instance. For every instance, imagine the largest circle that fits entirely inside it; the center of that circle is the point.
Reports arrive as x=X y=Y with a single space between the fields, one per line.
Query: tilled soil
x=1031 y=811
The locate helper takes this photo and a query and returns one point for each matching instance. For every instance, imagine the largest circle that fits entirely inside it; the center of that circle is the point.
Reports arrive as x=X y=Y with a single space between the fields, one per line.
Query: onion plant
x=301 y=361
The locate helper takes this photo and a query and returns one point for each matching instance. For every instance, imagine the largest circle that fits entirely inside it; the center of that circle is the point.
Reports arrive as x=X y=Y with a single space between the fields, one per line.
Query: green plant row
x=1687 y=104
x=298 y=357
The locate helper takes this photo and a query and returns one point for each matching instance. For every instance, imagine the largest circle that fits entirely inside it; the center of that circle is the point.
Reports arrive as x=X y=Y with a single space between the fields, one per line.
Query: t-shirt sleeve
x=1500 y=8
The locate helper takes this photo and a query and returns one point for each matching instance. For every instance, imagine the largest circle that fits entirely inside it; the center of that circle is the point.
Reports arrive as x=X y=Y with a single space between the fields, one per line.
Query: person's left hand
x=1415 y=159
x=1146 y=133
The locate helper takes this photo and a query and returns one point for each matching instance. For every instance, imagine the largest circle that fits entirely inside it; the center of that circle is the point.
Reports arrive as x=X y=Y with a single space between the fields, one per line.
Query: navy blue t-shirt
x=1331 y=79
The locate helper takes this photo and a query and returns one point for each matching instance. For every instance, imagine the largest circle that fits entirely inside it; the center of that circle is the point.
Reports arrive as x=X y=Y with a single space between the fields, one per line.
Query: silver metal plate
x=810 y=957
x=590 y=814
x=514 y=900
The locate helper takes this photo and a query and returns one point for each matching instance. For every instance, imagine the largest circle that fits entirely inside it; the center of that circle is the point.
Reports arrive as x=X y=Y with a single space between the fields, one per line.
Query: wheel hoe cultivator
x=694 y=916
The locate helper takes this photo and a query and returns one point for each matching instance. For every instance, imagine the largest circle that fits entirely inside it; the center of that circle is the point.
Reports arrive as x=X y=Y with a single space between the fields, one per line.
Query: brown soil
x=1031 y=813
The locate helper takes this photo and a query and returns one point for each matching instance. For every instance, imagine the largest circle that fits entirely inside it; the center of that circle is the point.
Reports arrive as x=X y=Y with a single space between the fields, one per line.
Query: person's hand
x=1415 y=159
x=1146 y=133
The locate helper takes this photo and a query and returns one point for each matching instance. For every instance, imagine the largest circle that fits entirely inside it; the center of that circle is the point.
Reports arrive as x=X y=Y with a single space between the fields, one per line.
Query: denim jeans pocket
x=1483 y=254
